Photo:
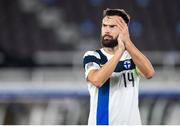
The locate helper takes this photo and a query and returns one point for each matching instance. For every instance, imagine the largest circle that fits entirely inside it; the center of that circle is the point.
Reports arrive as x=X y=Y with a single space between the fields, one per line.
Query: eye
x=104 y=25
x=112 y=26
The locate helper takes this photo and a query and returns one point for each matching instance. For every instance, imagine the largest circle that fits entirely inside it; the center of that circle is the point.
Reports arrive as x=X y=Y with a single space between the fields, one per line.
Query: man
x=113 y=73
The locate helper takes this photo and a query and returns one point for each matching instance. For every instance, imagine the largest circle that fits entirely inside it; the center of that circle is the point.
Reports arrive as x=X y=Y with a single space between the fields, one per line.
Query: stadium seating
x=154 y=26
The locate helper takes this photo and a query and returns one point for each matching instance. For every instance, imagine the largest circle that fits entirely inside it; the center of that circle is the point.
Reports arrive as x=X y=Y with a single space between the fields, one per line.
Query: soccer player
x=113 y=73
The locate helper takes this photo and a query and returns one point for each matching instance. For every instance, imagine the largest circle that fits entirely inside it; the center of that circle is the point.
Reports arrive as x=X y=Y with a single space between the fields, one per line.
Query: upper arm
x=91 y=62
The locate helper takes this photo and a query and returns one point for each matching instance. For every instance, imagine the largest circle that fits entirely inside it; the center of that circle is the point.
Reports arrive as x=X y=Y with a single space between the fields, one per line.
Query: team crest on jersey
x=127 y=64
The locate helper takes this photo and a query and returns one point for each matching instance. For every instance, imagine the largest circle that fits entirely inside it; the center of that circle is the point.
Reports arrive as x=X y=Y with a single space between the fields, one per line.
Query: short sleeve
x=91 y=61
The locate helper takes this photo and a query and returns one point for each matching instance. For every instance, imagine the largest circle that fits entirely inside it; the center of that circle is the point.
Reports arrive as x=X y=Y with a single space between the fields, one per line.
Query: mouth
x=107 y=37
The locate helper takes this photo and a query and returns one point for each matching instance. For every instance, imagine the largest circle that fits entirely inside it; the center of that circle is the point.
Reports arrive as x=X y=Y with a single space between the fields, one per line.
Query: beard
x=110 y=43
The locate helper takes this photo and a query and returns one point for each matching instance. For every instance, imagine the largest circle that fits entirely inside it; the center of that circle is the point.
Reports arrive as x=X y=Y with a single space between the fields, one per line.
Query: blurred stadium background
x=42 y=43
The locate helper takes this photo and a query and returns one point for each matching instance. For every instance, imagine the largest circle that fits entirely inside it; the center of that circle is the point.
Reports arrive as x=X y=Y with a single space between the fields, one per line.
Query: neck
x=111 y=51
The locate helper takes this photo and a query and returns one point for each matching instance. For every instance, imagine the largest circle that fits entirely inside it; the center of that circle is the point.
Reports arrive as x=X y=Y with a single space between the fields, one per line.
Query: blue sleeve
x=91 y=57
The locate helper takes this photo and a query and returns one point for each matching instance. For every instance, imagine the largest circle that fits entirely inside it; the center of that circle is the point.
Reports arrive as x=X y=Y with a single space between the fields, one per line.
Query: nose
x=107 y=30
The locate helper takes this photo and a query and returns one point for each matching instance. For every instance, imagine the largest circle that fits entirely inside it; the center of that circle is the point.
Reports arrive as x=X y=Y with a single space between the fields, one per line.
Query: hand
x=124 y=32
x=120 y=43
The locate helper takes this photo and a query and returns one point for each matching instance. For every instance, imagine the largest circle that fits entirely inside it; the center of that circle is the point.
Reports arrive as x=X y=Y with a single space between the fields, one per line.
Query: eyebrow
x=108 y=24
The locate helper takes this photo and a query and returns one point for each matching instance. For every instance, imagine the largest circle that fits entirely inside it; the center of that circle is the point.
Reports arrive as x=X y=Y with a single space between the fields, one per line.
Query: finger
x=120 y=37
x=121 y=22
x=124 y=28
x=120 y=26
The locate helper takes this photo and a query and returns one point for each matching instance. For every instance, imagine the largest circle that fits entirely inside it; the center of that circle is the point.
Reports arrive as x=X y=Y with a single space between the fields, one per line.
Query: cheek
x=102 y=31
x=115 y=33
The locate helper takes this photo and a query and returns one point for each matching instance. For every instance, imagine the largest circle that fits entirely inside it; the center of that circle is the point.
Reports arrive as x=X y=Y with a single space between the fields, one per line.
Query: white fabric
x=123 y=101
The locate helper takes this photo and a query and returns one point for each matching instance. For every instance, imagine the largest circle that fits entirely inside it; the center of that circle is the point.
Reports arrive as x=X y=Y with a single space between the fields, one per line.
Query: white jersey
x=116 y=102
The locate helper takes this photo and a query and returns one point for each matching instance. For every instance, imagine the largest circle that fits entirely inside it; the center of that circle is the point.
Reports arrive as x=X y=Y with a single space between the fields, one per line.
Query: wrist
x=120 y=50
x=127 y=43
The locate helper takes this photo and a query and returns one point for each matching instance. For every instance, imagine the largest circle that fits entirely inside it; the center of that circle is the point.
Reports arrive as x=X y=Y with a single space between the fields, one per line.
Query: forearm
x=98 y=77
x=140 y=60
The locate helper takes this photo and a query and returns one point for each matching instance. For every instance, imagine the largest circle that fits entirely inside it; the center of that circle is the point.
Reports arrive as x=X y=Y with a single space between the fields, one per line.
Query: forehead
x=110 y=19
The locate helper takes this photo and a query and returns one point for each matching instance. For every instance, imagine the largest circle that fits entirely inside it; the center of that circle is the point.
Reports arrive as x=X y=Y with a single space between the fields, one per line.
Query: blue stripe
x=103 y=57
x=89 y=59
x=102 y=117
x=120 y=66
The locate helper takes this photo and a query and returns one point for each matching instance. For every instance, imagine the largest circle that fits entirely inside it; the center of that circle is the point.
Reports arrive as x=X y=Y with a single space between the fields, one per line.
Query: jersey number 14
x=128 y=77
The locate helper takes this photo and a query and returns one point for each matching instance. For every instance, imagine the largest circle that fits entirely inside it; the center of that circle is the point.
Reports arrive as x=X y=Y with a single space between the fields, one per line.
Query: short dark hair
x=117 y=12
